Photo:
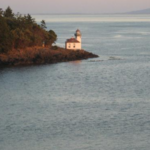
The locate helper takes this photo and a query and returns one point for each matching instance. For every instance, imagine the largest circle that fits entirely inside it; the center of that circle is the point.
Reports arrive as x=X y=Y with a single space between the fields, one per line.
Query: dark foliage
x=52 y=37
x=43 y=24
x=17 y=31
x=5 y=36
x=1 y=11
x=8 y=13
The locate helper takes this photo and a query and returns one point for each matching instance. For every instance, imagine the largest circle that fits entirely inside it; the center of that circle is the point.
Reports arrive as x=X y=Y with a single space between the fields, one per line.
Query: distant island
x=24 y=42
x=143 y=11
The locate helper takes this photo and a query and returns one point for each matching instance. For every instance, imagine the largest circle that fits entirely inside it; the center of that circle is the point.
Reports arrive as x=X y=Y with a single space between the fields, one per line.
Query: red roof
x=72 y=40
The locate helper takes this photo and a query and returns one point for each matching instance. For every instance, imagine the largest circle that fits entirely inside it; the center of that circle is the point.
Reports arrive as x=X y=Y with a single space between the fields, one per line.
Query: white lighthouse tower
x=78 y=35
x=74 y=43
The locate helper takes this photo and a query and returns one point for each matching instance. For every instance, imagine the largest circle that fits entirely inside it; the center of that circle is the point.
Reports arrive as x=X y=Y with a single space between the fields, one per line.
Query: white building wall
x=73 y=46
x=78 y=38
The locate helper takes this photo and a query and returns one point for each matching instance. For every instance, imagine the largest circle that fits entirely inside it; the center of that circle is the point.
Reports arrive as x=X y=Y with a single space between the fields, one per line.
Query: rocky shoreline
x=38 y=55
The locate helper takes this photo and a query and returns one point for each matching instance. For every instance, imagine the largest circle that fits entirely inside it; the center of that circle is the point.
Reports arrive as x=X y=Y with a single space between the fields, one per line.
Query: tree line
x=20 y=31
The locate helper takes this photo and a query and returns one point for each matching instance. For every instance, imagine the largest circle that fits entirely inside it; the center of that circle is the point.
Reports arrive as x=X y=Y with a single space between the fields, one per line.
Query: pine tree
x=8 y=13
x=29 y=19
x=5 y=36
x=1 y=11
x=43 y=24
x=52 y=37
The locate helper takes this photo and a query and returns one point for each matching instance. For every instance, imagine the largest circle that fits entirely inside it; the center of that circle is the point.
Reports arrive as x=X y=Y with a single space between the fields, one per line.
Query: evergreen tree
x=8 y=13
x=1 y=11
x=17 y=31
x=52 y=37
x=29 y=19
x=5 y=36
x=43 y=24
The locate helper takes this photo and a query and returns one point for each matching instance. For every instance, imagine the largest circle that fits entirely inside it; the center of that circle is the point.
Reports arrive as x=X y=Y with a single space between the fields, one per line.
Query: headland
x=40 y=55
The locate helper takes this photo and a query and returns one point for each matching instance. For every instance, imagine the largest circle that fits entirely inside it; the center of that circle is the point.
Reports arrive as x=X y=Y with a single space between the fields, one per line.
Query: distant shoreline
x=125 y=13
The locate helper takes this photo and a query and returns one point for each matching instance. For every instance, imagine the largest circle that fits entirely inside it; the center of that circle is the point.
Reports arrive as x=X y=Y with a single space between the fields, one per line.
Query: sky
x=74 y=6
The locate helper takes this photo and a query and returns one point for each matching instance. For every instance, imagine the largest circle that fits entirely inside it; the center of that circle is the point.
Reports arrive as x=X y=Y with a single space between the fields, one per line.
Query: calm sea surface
x=94 y=104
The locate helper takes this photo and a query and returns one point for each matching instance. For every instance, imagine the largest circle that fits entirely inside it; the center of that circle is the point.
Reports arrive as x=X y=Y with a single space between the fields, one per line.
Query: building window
x=74 y=45
x=69 y=45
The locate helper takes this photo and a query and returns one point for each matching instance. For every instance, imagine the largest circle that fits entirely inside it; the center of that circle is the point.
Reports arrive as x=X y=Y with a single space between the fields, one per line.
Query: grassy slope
x=39 y=55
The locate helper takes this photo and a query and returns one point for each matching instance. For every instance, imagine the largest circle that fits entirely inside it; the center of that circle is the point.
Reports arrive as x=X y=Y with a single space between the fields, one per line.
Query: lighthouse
x=78 y=35
x=74 y=43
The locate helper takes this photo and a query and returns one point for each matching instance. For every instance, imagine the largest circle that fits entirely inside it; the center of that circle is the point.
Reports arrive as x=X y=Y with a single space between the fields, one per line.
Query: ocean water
x=94 y=104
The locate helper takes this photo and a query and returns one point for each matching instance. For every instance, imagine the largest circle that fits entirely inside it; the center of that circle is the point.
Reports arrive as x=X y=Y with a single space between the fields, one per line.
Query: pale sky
x=74 y=6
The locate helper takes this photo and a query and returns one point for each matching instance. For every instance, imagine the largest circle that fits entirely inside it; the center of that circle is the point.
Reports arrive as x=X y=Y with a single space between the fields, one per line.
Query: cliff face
x=39 y=55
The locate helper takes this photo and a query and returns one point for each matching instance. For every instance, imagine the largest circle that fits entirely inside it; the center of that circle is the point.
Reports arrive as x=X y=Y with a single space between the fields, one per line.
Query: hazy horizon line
x=89 y=13
x=94 y=13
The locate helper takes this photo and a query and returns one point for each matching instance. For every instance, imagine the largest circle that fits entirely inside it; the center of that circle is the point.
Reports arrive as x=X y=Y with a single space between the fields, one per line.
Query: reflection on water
x=89 y=104
x=77 y=62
